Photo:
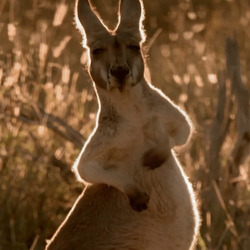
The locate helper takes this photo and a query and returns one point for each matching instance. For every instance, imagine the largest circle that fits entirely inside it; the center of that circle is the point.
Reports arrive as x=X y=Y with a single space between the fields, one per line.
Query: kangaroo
x=137 y=195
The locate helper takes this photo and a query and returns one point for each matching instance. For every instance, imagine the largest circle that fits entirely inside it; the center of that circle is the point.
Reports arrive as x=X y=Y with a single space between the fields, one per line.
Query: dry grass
x=47 y=109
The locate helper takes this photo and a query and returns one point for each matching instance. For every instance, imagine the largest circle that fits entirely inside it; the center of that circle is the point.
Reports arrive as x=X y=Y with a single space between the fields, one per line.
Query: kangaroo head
x=115 y=58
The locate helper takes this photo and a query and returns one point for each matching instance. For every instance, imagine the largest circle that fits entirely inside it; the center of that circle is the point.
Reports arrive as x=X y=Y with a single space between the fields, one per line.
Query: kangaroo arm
x=93 y=166
x=179 y=131
x=177 y=123
x=99 y=171
x=93 y=171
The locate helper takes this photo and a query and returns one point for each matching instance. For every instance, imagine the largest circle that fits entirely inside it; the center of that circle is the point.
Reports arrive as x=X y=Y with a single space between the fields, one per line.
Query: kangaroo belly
x=102 y=219
x=172 y=223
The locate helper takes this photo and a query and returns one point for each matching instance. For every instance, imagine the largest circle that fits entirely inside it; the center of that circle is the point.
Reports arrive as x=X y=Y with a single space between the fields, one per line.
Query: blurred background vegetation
x=48 y=109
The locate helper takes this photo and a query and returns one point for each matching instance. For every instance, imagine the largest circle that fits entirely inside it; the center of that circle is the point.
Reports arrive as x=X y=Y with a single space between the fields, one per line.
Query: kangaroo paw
x=139 y=201
x=154 y=158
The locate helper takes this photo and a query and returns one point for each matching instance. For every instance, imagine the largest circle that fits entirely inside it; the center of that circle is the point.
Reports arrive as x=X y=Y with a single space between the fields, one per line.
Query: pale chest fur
x=131 y=122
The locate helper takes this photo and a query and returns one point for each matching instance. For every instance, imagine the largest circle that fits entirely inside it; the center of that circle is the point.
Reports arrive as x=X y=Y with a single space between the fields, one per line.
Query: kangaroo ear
x=131 y=17
x=87 y=21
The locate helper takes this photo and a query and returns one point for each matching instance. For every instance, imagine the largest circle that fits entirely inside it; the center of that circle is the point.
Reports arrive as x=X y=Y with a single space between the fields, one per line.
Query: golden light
x=11 y=31
x=57 y=51
x=212 y=78
x=65 y=74
x=60 y=14
x=177 y=79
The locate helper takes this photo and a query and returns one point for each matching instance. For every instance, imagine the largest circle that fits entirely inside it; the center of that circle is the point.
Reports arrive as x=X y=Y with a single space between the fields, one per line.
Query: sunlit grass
x=48 y=109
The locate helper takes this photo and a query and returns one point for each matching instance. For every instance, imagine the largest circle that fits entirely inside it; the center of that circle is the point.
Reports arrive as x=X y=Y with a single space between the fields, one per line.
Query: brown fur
x=140 y=198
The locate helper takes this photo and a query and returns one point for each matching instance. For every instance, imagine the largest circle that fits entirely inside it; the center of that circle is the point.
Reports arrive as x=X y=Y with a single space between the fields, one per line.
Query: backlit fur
x=139 y=197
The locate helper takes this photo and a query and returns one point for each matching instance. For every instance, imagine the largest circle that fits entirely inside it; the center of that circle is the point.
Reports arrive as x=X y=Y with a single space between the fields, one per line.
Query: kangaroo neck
x=126 y=101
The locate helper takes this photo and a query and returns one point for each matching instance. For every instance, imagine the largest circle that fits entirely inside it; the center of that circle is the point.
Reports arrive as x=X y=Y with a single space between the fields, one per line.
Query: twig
x=35 y=115
x=219 y=128
x=223 y=205
x=34 y=242
x=242 y=96
x=2 y=6
x=153 y=39
x=65 y=169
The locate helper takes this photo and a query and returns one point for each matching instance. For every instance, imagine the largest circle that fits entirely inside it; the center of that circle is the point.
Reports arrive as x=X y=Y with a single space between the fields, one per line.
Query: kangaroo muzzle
x=120 y=74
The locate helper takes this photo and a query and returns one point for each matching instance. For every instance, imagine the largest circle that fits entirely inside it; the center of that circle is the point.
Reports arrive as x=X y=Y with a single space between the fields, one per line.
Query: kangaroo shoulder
x=156 y=99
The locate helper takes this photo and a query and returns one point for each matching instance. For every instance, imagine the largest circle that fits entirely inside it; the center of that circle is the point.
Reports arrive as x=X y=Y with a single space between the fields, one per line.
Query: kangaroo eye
x=135 y=48
x=97 y=51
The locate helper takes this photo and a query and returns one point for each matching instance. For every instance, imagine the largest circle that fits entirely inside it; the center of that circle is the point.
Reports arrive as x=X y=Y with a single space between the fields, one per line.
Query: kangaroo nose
x=119 y=72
